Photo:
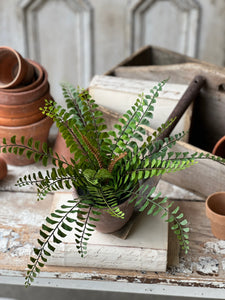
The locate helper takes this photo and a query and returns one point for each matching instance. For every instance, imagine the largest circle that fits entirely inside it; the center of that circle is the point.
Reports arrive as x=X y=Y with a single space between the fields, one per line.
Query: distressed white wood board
x=144 y=249
x=119 y=94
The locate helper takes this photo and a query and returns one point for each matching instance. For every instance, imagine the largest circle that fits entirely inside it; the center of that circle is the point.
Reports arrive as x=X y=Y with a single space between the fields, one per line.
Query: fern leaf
x=50 y=235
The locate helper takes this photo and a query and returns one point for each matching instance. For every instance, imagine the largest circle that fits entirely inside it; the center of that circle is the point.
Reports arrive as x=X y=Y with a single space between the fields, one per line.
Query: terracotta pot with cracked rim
x=25 y=96
x=14 y=69
x=215 y=211
x=39 y=131
x=219 y=148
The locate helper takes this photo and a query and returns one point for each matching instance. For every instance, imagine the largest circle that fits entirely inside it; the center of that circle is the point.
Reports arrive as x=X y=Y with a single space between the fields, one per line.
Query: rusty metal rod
x=188 y=97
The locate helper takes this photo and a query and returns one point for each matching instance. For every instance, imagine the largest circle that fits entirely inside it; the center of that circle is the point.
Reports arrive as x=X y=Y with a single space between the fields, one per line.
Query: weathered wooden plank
x=119 y=94
x=20 y=220
x=144 y=249
x=204 y=178
x=205 y=131
x=177 y=73
x=191 y=271
x=152 y=55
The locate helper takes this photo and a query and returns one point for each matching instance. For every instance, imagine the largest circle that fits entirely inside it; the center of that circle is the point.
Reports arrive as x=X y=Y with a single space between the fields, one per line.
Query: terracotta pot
x=14 y=69
x=215 y=211
x=3 y=169
x=61 y=149
x=39 y=131
x=108 y=223
x=23 y=114
x=37 y=79
x=27 y=96
x=219 y=148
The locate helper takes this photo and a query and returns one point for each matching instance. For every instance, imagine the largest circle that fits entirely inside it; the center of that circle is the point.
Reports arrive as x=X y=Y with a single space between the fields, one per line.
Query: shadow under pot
x=39 y=131
x=215 y=211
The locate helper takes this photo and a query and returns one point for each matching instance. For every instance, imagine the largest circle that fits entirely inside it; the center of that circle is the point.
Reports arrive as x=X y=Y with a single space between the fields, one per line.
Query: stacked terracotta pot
x=24 y=87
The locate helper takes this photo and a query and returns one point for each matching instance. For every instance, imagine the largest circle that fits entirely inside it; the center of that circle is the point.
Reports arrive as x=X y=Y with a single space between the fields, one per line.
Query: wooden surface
x=119 y=94
x=205 y=131
x=21 y=216
x=144 y=248
x=177 y=73
x=100 y=33
x=194 y=178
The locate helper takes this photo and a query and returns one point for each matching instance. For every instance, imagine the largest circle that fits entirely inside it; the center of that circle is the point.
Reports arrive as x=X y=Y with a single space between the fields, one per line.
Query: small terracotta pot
x=61 y=149
x=39 y=131
x=108 y=223
x=14 y=69
x=215 y=211
x=37 y=79
x=26 y=96
x=219 y=148
x=23 y=114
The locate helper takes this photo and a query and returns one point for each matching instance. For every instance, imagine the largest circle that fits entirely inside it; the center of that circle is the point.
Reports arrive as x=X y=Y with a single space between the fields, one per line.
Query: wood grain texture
x=144 y=249
x=204 y=178
x=181 y=73
x=202 y=267
x=119 y=94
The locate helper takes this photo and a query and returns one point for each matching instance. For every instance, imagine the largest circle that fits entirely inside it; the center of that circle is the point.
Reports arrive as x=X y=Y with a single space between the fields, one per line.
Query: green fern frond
x=106 y=169
x=51 y=233
x=156 y=205
x=134 y=120
x=85 y=230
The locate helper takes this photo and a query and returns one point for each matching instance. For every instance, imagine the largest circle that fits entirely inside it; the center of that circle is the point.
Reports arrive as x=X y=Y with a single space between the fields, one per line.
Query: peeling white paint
x=207 y=265
x=10 y=243
x=4 y=239
x=215 y=247
x=223 y=264
x=23 y=250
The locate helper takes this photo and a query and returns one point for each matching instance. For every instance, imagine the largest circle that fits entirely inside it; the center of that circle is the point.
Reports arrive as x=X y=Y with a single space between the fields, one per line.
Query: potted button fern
x=109 y=170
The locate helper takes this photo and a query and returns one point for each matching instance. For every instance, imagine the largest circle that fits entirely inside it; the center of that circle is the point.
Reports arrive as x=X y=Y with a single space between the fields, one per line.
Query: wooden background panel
x=178 y=18
x=11 y=25
x=77 y=39
x=58 y=35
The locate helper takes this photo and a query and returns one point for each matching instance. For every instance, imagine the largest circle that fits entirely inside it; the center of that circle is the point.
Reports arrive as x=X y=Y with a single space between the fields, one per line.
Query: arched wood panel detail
x=58 y=34
x=172 y=24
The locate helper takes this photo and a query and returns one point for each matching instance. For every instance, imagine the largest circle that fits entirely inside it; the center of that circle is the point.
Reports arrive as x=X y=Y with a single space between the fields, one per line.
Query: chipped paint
x=223 y=264
x=22 y=250
x=10 y=243
x=215 y=247
x=207 y=266
x=4 y=239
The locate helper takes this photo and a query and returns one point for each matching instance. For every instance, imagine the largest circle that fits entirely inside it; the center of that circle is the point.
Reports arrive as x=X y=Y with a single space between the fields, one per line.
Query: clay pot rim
x=28 y=96
x=38 y=69
x=24 y=127
x=19 y=59
x=45 y=78
x=210 y=213
x=221 y=140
